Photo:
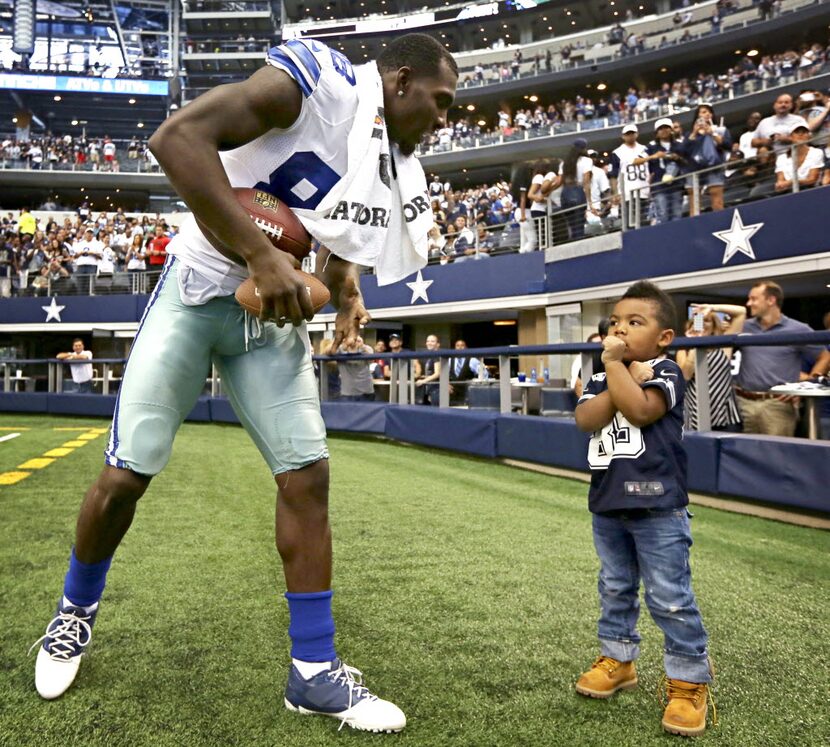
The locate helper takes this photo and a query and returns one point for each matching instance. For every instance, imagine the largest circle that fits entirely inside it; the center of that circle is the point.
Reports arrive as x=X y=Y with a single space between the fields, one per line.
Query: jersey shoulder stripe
x=296 y=59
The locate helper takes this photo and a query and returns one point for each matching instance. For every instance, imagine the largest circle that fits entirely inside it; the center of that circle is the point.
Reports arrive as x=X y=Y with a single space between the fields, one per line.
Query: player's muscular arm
x=187 y=146
x=342 y=278
x=595 y=413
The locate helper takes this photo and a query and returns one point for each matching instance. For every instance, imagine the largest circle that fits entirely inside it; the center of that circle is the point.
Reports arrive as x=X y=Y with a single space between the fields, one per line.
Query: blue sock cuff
x=291 y=595
x=312 y=626
x=84 y=582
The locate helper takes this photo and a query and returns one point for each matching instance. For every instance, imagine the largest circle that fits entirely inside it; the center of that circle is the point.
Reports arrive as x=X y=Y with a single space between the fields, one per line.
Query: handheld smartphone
x=697 y=322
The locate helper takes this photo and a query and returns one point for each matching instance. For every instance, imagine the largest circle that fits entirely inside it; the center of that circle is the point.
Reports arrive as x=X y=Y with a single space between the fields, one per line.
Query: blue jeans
x=668 y=204
x=656 y=549
x=572 y=196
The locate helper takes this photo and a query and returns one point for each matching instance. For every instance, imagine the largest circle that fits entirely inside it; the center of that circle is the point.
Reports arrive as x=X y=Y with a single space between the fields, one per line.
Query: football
x=276 y=220
x=247 y=294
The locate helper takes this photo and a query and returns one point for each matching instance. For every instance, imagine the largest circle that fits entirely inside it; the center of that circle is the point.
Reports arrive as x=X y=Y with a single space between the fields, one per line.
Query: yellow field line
x=14 y=429
x=52 y=455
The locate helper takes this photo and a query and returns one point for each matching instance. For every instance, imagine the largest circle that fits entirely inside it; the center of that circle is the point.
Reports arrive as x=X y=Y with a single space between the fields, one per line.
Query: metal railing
x=133 y=282
x=595 y=51
x=235 y=7
x=224 y=46
x=739 y=181
x=617 y=119
x=513 y=392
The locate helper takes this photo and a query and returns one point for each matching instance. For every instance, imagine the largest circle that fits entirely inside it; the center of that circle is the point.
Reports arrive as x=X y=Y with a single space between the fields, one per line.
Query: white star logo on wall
x=53 y=311
x=737 y=238
x=419 y=288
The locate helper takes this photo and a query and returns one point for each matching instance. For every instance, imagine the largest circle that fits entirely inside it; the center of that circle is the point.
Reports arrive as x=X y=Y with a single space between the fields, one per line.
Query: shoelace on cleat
x=353 y=679
x=672 y=691
x=66 y=636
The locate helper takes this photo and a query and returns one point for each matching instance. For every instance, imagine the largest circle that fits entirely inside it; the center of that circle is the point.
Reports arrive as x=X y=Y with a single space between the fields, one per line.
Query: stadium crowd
x=35 y=257
x=657 y=167
x=635 y=104
x=65 y=152
x=618 y=42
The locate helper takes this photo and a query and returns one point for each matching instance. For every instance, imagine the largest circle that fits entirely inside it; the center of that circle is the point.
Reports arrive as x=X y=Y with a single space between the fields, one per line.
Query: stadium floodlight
x=23 y=27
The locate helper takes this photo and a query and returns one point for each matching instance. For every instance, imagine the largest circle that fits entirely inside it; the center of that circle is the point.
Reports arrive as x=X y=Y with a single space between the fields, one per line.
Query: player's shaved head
x=420 y=52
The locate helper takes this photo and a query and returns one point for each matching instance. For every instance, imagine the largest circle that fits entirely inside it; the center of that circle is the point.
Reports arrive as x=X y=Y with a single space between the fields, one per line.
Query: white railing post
x=794 y=161
x=505 y=395
x=696 y=208
x=587 y=366
x=704 y=408
x=394 y=372
x=444 y=383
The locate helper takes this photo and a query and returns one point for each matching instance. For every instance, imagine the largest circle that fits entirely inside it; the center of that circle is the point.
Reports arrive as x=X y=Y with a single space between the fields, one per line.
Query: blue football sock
x=84 y=582
x=312 y=626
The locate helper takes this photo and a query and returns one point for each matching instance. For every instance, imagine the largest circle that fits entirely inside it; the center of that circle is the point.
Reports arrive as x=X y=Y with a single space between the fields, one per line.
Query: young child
x=638 y=500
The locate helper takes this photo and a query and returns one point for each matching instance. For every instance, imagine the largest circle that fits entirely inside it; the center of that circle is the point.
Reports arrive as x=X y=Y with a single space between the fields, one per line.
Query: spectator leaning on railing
x=775 y=131
x=81 y=372
x=666 y=160
x=628 y=165
x=707 y=146
x=86 y=253
x=575 y=173
x=806 y=165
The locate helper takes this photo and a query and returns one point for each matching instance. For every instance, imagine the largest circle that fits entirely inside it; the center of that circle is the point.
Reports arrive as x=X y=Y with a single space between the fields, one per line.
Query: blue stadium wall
x=781 y=471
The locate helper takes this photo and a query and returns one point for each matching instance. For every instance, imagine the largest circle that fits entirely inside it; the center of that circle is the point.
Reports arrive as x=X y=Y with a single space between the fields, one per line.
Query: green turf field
x=465 y=590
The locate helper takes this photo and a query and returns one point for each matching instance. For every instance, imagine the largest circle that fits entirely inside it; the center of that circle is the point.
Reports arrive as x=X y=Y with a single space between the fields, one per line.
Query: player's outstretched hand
x=351 y=317
x=282 y=291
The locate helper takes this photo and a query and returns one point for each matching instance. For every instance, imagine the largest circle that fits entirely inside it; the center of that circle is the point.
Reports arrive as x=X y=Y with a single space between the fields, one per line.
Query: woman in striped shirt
x=723 y=407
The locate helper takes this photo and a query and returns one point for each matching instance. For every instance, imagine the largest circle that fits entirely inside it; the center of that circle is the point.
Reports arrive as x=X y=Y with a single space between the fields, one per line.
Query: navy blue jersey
x=635 y=467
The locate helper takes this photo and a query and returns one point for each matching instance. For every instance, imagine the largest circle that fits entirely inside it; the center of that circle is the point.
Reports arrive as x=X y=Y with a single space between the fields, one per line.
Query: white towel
x=379 y=213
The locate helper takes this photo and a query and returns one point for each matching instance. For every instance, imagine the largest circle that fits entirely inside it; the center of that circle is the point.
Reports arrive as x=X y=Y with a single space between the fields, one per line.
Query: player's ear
x=403 y=81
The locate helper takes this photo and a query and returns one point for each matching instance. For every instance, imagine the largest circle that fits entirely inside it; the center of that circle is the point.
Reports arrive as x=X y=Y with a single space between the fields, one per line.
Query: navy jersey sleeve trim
x=297 y=60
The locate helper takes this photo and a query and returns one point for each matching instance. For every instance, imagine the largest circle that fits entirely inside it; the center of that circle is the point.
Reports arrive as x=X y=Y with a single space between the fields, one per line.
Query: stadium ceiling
x=93 y=114
x=571 y=15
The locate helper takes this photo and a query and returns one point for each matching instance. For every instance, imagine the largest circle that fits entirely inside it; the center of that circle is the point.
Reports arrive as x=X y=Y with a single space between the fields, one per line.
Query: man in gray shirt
x=774 y=131
x=356 y=383
x=763 y=367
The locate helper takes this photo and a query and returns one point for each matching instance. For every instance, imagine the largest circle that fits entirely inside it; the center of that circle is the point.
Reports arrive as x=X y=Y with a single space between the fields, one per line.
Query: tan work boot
x=606 y=676
x=686 y=711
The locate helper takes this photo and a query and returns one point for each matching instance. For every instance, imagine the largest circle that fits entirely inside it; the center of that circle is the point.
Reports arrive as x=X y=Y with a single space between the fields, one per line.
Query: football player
x=284 y=130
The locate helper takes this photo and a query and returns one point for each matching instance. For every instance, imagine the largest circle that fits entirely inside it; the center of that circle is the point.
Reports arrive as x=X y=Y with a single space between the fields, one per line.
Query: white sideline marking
x=9 y=437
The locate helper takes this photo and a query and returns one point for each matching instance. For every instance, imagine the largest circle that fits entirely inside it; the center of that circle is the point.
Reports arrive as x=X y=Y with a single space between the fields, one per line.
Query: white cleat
x=59 y=658
x=339 y=693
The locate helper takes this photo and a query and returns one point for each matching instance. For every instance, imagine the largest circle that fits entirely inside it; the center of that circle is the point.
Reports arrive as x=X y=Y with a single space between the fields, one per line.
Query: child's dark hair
x=645 y=290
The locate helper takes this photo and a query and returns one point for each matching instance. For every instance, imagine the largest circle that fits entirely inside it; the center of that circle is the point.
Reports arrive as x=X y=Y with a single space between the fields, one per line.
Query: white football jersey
x=636 y=177
x=299 y=165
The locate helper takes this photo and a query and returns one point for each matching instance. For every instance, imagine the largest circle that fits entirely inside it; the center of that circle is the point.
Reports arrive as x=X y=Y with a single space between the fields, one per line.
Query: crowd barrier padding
x=472 y=432
x=783 y=471
x=94 y=405
x=221 y=411
x=703 y=453
x=359 y=417
x=553 y=441
x=23 y=402
x=201 y=411
x=787 y=471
